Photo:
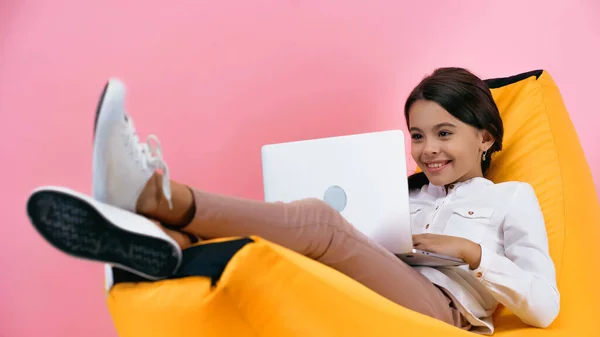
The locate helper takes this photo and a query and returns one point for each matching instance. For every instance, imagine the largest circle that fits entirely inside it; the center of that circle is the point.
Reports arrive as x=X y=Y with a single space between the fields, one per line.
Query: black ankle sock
x=193 y=238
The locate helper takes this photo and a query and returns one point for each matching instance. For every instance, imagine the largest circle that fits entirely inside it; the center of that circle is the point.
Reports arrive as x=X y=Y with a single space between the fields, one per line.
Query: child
x=140 y=220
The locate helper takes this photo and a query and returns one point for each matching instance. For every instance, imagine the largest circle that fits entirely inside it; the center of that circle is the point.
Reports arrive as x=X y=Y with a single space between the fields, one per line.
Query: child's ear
x=487 y=140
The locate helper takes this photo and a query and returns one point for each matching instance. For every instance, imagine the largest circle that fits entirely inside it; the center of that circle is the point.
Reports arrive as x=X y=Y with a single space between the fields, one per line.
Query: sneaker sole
x=98 y=108
x=78 y=229
x=107 y=111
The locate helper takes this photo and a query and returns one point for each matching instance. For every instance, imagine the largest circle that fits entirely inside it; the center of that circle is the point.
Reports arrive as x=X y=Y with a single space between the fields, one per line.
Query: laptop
x=362 y=176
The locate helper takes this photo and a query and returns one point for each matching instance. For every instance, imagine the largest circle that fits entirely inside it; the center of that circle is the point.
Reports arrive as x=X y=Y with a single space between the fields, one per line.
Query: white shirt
x=506 y=221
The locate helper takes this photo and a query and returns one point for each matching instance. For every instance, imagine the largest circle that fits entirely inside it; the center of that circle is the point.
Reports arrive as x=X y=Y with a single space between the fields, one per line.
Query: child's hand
x=467 y=250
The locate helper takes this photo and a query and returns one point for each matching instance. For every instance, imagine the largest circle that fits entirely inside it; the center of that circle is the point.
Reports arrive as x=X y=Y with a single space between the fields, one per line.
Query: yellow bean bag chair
x=252 y=287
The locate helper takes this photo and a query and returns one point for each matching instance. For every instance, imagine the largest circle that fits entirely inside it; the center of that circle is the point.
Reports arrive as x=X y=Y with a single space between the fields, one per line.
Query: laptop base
x=423 y=258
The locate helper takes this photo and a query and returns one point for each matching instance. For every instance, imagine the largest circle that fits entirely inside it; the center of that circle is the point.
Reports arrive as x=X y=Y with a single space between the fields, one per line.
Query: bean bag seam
x=562 y=180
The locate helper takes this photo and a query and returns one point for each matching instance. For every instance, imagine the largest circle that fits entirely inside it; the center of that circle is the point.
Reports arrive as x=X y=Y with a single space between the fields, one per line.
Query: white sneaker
x=83 y=227
x=121 y=164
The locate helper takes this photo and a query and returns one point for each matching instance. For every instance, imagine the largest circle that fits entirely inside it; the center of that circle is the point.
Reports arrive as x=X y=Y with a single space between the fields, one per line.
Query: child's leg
x=314 y=229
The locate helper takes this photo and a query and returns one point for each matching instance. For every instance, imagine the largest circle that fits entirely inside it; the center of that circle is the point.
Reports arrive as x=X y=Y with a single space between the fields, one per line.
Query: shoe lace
x=148 y=156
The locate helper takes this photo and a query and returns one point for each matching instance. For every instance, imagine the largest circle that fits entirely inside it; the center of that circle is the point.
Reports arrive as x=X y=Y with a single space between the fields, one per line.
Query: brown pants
x=314 y=229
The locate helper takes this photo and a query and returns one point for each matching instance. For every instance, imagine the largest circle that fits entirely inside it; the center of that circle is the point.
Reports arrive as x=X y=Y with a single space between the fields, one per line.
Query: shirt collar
x=440 y=191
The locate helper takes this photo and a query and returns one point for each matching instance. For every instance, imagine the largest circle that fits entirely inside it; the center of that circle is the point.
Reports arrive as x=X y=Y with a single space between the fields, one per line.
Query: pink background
x=216 y=80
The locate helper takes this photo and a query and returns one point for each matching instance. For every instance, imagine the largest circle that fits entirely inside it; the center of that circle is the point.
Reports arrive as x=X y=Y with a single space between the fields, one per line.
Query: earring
x=484 y=153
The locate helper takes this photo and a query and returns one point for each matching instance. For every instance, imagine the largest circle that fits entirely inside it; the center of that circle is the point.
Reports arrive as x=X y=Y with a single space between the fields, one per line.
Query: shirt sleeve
x=524 y=278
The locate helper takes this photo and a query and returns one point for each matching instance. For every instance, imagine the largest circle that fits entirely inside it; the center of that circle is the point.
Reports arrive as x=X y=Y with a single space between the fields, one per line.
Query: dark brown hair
x=466 y=97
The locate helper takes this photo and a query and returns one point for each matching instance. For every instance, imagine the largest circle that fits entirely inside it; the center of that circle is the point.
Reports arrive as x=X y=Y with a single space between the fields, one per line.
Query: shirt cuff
x=487 y=258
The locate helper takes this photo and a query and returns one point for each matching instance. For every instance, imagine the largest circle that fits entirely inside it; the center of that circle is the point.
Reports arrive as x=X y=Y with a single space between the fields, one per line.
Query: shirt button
x=451 y=186
x=427 y=226
x=470 y=212
x=479 y=274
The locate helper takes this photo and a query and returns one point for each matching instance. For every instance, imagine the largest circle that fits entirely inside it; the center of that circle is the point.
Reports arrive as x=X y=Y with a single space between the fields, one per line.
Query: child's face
x=446 y=149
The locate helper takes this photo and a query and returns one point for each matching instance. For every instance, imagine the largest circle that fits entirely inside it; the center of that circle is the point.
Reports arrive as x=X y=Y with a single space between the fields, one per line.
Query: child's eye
x=416 y=136
x=444 y=133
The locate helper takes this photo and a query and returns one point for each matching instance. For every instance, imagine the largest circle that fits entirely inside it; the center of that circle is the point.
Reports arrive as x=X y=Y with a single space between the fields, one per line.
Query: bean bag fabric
x=253 y=287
